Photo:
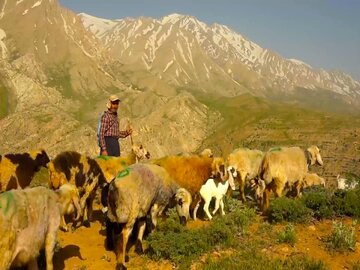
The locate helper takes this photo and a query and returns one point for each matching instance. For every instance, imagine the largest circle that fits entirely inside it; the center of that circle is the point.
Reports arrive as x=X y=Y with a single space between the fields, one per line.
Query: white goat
x=215 y=189
x=343 y=183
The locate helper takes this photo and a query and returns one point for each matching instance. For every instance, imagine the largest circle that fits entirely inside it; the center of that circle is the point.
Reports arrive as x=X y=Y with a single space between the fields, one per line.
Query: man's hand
x=129 y=131
x=104 y=153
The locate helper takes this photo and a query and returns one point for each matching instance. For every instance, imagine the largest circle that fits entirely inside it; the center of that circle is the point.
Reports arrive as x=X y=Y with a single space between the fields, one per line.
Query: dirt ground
x=84 y=248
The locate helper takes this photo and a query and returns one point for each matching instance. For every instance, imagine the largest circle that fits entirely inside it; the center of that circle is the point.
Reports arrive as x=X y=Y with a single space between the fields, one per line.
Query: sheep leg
x=32 y=265
x=154 y=213
x=242 y=188
x=298 y=188
x=217 y=204
x=63 y=225
x=87 y=199
x=88 y=210
x=222 y=207
x=141 y=230
x=121 y=258
x=278 y=186
x=206 y=208
x=196 y=209
x=265 y=200
x=109 y=241
x=49 y=248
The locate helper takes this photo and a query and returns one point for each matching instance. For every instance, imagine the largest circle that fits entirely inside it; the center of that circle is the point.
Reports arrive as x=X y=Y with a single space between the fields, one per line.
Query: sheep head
x=232 y=174
x=258 y=185
x=69 y=199
x=218 y=169
x=314 y=154
x=140 y=152
x=41 y=159
x=183 y=200
x=207 y=153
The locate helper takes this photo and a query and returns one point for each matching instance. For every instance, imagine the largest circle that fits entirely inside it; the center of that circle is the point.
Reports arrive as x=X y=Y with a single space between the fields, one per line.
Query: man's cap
x=113 y=98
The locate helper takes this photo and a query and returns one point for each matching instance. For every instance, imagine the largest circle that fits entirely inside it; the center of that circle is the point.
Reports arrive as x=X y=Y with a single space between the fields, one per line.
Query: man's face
x=114 y=106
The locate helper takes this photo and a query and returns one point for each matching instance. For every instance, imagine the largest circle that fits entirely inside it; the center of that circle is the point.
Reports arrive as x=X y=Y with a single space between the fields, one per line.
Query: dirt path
x=84 y=248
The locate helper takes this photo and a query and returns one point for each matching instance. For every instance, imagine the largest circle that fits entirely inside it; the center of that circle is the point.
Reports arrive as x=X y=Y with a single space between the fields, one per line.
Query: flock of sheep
x=132 y=188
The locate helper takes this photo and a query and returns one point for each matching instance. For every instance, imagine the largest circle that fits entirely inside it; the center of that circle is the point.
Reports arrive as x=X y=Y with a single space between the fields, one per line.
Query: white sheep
x=139 y=190
x=285 y=166
x=29 y=222
x=215 y=188
x=247 y=163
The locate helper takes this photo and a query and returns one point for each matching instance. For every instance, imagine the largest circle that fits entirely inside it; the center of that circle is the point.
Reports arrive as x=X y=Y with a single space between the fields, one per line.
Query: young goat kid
x=215 y=188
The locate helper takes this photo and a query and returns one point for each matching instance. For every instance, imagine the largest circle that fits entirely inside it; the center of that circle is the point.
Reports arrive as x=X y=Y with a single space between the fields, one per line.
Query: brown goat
x=81 y=171
x=191 y=172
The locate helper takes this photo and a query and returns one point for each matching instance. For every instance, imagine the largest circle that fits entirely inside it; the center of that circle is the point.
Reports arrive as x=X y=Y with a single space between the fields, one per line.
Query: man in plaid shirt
x=109 y=130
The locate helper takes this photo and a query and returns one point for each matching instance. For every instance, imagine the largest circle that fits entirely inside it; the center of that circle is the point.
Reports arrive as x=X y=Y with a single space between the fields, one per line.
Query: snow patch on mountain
x=97 y=25
x=2 y=13
x=299 y=62
x=172 y=18
x=2 y=44
x=38 y=3
x=168 y=65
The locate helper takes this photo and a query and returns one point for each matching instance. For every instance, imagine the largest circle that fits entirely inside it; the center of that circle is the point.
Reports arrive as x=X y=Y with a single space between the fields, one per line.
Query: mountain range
x=184 y=85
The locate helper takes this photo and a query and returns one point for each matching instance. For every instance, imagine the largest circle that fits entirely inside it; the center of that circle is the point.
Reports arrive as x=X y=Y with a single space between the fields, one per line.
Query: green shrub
x=253 y=260
x=265 y=228
x=232 y=204
x=319 y=201
x=242 y=259
x=174 y=242
x=287 y=209
x=240 y=219
x=287 y=235
x=346 y=203
x=342 y=238
x=303 y=263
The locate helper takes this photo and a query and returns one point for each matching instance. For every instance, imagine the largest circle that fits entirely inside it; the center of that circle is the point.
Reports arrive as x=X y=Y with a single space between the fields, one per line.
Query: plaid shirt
x=110 y=128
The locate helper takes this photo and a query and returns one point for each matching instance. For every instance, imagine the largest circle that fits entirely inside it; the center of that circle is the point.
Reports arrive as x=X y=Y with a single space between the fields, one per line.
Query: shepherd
x=109 y=132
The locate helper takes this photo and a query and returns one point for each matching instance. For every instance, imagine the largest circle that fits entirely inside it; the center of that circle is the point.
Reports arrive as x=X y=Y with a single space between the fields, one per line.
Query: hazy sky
x=322 y=33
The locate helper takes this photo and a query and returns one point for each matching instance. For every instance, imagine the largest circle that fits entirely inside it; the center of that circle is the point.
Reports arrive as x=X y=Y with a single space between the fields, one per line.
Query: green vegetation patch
x=342 y=238
x=251 y=259
x=4 y=101
x=288 y=235
x=60 y=78
x=288 y=209
x=181 y=245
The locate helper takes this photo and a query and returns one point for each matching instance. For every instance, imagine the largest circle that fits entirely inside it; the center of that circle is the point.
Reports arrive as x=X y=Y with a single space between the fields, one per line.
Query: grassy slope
x=256 y=123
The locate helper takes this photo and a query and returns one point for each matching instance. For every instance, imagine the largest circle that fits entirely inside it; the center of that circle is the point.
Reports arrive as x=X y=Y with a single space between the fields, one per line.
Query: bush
x=286 y=209
x=343 y=238
x=319 y=201
x=252 y=260
x=303 y=262
x=287 y=235
x=346 y=202
x=180 y=245
x=240 y=219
